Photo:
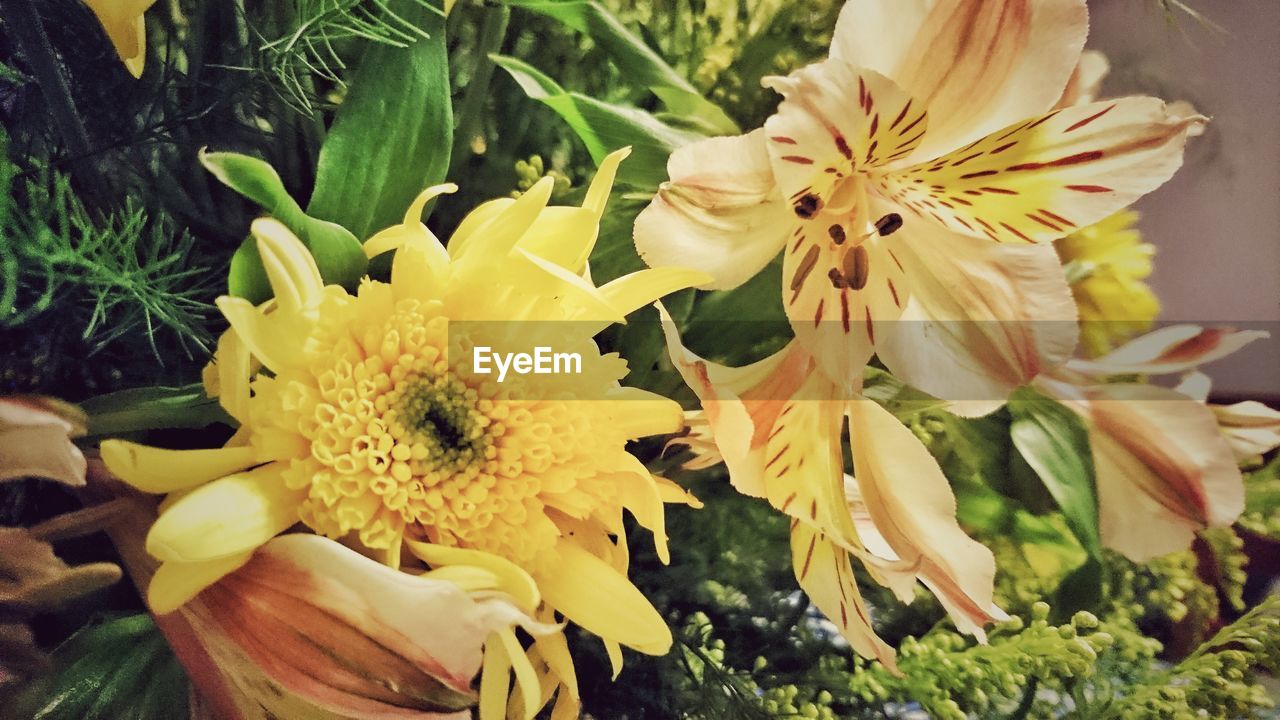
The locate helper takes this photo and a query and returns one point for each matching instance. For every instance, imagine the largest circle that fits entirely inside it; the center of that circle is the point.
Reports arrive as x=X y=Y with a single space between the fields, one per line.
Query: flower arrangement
x=557 y=359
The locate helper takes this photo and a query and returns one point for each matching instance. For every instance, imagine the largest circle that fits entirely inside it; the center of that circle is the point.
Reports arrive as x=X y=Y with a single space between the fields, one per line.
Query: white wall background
x=1217 y=223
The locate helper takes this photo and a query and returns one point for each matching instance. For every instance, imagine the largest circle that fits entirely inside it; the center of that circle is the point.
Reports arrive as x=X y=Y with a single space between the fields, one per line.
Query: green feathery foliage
x=116 y=277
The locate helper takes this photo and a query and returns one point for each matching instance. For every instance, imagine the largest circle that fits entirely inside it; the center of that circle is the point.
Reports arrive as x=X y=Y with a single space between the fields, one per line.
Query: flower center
x=440 y=414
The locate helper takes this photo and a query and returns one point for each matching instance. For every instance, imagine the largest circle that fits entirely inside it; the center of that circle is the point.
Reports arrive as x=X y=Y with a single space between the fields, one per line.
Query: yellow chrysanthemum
x=365 y=417
x=1106 y=265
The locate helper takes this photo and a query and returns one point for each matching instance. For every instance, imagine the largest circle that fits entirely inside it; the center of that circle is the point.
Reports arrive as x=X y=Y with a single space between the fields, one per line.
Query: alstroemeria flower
x=1164 y=469
x=35 y=440
x=777 y=425
x=369 y=419
x=899 y=178
x=125 y=26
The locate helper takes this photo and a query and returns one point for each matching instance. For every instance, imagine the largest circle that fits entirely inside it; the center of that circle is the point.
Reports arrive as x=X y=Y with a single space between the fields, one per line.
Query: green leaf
x=122 y=668
x=151 y=408
x=1055 y=443
x=605 y=127
x=636 y=60
x=337 y=252
x=393 y=134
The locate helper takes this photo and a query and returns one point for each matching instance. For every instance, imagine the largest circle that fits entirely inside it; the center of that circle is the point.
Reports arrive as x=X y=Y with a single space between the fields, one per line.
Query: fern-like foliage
x=120 y=276
x=308 y=47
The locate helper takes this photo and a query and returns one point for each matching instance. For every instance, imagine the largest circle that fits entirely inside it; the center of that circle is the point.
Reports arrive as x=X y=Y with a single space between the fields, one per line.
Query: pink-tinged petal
x=1046 y=177
x=968 y=616
x=35 y=440
x=911 y=504
x=721 y=212
x=740 y=404
x=978 y=65
x=1163 y=469
x=823 y=570
x=352 y=636
x=841 y=282
x=1173 y=349
x=1251 y=428
x=837 y=119
x=983 y=318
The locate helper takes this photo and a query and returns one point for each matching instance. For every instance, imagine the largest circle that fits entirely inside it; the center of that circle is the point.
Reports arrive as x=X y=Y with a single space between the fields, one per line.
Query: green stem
x=492 y=33
x=28 y=31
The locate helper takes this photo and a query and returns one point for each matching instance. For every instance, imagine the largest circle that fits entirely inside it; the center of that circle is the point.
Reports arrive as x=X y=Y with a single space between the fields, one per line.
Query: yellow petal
x=495 y=680
x=555 y=651
x=632 y=292
x=156 y=470
x=526 y=678
x=498 y=235
x=175 y=583
x=614 y=651
x=721 y=211
x=639 y=413
x=602 y=183
x=511 y=579
x=411 y=231
x=292 y=271
x=275 y=341
x=591 y=593
x=824 y=572
x=562 y=235
x=234 y=366
x=226 y=517
x=1048 y=176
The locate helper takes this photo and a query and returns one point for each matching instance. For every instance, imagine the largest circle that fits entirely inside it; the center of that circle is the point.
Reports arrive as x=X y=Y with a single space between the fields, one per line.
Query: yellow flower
x=123 y=21
x=370 y=420
x=1106 y=265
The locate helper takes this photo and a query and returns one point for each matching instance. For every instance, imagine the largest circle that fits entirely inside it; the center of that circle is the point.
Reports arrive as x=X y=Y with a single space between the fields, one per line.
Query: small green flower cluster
x=951 y=676
x=529 y=172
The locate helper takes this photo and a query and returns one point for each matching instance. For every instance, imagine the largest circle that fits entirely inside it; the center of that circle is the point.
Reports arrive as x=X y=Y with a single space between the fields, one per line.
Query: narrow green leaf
x=139 y=409
x=393 y=135
x=118 y=669
x=635 y=59
x=605 y=127
x=1054 y=442
x=337 y=252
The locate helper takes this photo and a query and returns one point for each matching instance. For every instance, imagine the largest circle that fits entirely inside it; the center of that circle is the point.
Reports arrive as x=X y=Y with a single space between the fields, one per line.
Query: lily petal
x=910 y=502
x=825 y=574
x=1158 y=456
x=1251 y=428
x=978 y=65
x=983 y=318
x=1173 y=349
x=721 y=211
x=1048 y=176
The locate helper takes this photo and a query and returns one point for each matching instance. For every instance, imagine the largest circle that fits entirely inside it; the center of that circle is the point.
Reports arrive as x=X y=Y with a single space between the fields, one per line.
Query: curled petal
x=156 y=470
x=911 y=504
x=721 y=211
x=1173 y=349
x=123 y=21
x=978 y=65
x=1251 y=428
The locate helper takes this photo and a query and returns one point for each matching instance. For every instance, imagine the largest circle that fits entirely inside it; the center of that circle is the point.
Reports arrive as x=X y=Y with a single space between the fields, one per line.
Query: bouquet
x=375 y=359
